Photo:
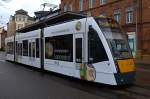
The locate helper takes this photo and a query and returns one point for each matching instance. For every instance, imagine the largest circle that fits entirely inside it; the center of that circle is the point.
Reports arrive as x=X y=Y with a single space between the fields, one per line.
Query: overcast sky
x=8 y=7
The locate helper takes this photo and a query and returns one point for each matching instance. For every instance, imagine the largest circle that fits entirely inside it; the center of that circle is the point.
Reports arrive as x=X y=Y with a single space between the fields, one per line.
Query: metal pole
x=136 y=24
x=136 y=35
x=42 y=48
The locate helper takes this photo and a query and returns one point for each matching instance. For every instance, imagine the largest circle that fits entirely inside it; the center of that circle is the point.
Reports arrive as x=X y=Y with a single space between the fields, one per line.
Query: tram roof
x=60 y=18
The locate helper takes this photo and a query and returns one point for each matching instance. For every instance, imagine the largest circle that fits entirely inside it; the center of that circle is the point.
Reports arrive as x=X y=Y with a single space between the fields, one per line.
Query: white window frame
x=65 y=8
x=129 y=15
x=70 y=8
x=90 y=3
x=117 y=15
x=81 y=5
x=102 y=2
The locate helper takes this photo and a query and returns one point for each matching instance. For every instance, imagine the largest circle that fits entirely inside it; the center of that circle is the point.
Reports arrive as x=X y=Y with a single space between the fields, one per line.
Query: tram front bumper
x=125 y=78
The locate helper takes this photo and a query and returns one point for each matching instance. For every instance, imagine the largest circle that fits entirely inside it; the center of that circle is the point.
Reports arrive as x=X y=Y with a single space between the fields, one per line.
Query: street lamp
x=136 y=2
x=52 y=6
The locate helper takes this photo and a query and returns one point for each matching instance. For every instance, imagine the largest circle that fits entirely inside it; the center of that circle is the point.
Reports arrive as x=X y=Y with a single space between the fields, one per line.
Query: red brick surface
x=143 y=16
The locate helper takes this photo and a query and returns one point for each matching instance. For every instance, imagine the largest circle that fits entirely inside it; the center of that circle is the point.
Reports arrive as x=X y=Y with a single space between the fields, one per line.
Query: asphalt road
x=19 y=82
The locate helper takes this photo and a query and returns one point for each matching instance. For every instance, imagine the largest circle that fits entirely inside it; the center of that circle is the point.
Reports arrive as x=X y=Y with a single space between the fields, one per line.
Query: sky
x=8 y=7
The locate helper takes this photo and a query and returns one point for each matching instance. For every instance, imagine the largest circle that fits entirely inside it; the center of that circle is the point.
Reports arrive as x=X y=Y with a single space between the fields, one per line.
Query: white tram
x=92 y=49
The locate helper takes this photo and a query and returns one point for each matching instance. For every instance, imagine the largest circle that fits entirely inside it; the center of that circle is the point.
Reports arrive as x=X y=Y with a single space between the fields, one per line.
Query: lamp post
x=136 y=2
x=52 y=6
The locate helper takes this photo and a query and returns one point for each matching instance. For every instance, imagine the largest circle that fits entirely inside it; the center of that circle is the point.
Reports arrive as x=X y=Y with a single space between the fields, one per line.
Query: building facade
x=132 y=15
x=3 y=34
x=19 y=20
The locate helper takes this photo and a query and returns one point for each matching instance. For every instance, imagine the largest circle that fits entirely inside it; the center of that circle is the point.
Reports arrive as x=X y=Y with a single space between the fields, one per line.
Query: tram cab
x=92 y=49
x=109 y=52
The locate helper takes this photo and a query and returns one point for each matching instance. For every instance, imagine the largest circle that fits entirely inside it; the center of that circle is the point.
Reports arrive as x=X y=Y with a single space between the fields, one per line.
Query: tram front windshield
x=116 y=38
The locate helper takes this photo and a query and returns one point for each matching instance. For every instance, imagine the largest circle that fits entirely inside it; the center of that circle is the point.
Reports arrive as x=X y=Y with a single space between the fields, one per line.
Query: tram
x=87 y=48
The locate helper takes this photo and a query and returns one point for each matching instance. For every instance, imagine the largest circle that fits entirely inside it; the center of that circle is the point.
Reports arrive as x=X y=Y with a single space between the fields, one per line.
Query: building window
x=25 y=48
x=59 y=48
x=129 y=15
x=20 y=26
x=70 y=7
x=65 y=8
x=117 y=15
x=81 y=5
x=90 y=3
x=16 y=18
x=19 y=18
x=24 y=18
x=102 y=2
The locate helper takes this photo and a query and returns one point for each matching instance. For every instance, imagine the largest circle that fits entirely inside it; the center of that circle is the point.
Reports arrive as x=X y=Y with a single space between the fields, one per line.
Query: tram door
x=16 y=51
x=32 y=52
x=78 y=52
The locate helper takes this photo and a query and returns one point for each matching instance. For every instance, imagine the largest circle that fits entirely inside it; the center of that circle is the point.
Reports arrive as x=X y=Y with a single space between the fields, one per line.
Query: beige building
x=3 y=34
x=19 y=20
x=11 y=26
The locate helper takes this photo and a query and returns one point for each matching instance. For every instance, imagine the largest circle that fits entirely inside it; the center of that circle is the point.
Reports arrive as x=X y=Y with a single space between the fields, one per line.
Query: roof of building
x=67 y=16
x=22 y=12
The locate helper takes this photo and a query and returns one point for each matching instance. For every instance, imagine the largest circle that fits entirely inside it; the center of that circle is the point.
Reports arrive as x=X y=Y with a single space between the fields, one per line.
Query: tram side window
x=59 y=48
x=96 y=51
x=33 y=49
x=10 y=48
x=79 y=50
x=25 y=48
x=20 y=49
x=17 y=48
x=16 y=45
x=37 y=48
x=30 y=49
